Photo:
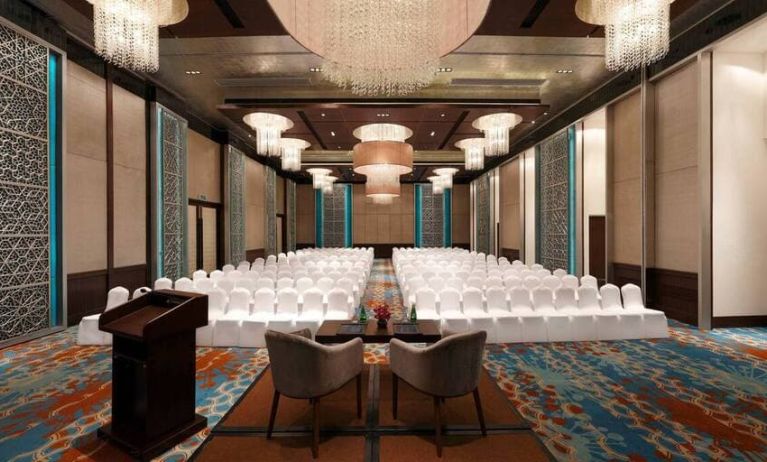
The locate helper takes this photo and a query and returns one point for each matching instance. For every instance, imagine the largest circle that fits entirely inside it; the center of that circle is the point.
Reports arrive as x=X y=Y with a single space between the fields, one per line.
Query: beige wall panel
x=384 y=232
x=280 y=194
x=129 y=216
x=85 y=112
x=371 y=229
x=382 y=224
x=627 y=218
x=509 y=205
x=129 y=178
x=395 y=228
x=626 y=139
x=676 y=220
x=255 y=204
x=461 y=217
x=305 y=214
x=204 y=167
x=85 y=207
x=408 y=229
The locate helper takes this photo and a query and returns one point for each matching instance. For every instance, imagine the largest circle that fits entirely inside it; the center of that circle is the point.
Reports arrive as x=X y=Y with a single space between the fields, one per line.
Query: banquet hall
x=383 y=231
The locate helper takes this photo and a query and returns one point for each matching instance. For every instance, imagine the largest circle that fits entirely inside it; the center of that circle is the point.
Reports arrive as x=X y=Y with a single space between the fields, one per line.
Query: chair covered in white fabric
x=454 y=283
x=559 y=272
x=552 y=282
x=312 y=310
x=339 y=308
x=140 y=292
x=302 y=285
x=258 y=263
x=559 y=322
x=183 y=285
x=590 y=281
x=453 y=318
x=265 y=283
x=508 y=327
x=325 y=284
x=216 y=275
x=88 y=332
x=512 y=281
x=284 y=283
x=536 y=267
x=519 y=301
x=534 y=325
x=532 y=282
x=411 y=289
x=475 y=281
x=436 y=283
x=494 y=281
x=235 y=275
x=216 y=308
x=542 y=273
x=613 y=322
x=163 y=284
x=225 y=284
x=426 y=303
x=654 y=322
x=199 y=274
x=583 y=319
x=243 y=267
x=226 y=330
x=204 y=285
x=473 y=308
x=569 y=281
x=348 y=285
x=228 y=268
x=286 y=310
x=246 y=283
x=255 y=325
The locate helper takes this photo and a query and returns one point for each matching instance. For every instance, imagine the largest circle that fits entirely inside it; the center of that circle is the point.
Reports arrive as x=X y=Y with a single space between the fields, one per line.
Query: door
x=204 y=236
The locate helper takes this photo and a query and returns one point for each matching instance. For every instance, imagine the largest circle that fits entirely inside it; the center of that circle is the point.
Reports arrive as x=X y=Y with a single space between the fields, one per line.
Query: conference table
x=423 y=331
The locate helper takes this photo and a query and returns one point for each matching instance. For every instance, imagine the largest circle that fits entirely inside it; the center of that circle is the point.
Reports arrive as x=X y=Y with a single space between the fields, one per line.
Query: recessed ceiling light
x=332 y=133
x=323 y=114
x=432 y=133
x=564 y=71
x=382 y=114
x=339 y=147
x=315 y=69
x=445 y=69
x=545 y=113
x=533 y=122
x=192 y=72
x=442 y=115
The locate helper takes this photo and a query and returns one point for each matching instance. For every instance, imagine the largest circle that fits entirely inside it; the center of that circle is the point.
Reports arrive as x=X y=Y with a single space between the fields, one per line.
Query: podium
x=153 y=371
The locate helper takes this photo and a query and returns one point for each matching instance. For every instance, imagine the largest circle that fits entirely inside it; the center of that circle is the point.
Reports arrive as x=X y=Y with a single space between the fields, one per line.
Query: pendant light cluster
x=496 y=128
x=442 y=179
x=322 y=179
x=269 y=141
x=126 y=32
x=637 y=31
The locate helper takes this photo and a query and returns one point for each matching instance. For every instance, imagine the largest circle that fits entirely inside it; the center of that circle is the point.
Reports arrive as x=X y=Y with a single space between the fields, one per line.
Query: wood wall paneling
x=461 y=215
x=389 y=225
x=510 y=219
x=304 y=215
x=255 y=204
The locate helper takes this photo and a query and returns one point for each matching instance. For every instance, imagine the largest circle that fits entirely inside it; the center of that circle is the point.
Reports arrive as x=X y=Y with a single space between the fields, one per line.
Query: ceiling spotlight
x=432 y=133
x=442 y=115
x=564 y=71
x=332 y=133
x=192 y=72
x=382 y=114
x=445 y=69
x=533 y=122
x=322 y=115
x=545 y=113
x=315 y=69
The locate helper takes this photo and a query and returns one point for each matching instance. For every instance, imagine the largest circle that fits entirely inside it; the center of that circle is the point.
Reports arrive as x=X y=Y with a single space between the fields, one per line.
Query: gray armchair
x=304 y=369
x=447 y=369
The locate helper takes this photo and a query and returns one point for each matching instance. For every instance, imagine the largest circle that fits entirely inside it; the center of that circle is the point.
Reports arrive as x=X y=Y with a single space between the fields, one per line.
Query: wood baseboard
x=252 y=254
x=739 y=321
x=511 y=254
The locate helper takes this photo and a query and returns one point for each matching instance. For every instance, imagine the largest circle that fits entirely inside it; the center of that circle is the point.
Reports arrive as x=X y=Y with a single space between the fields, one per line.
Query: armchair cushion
x=303 y=369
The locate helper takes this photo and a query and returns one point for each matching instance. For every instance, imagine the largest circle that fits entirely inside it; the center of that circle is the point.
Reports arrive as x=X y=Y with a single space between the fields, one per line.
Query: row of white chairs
x=543 y=315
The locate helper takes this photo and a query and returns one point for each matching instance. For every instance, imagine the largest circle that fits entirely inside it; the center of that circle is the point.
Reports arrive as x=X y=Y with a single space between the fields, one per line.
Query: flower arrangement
x=382 y=314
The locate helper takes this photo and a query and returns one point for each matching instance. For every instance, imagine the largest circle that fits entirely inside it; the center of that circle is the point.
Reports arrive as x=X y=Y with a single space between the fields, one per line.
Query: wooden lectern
x=153 y=371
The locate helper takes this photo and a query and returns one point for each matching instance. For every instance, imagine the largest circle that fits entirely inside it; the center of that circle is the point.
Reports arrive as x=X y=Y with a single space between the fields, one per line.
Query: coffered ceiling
x=533 y=57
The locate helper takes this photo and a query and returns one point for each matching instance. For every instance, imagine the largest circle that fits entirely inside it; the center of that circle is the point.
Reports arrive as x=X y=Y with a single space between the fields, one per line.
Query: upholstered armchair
x=450 y=368
x=304 y=369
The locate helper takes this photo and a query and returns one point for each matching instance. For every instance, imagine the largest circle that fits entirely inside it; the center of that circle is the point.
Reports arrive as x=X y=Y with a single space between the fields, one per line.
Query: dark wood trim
x=625 y=273
x=388 y=102
x=305 y=245
x=150 y=260
x=739 y=321
x=454 y=128
x=131 y=277
x=86 y=294
x=202 y=203
x=252 y=254
x=511 y=254
x=221 y=240
x=462 y=245
x=311 y=128
x=673 y=292
x=110 y=173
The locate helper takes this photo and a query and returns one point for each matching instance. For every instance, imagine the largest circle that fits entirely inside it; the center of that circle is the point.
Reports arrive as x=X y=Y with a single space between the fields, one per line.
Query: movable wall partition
x=333 y=220
x=270 y=244
x=32 y=296
x=234 y=207
x=433 y=217
x=290 y=192
x=482 y=219
x=169 y=194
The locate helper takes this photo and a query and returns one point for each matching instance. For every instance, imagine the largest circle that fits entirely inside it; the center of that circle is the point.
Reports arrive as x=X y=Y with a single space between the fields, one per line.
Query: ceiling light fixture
x=496 y=128
x=269 y=129
x=446 y=173
x=382 y=177
x=474 y=152
x=375 y=47
x=432 y=133
x=332 y=133
x=382 y=132
x=436 y=184
x=637 y=31
x=445 y=69
x=192 y=72
x=564 y=71
x=315 y=69
x=125 y=32
x=291 y=153
x=318 y=176
x=327 y=186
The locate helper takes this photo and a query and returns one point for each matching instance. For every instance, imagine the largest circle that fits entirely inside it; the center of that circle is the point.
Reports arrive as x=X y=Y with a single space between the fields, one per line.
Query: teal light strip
x=54 y=202
x=571 y=245
x=318 y=218
x=418 y=214
x=447 y=220
x=348 y=215
x=159 y=199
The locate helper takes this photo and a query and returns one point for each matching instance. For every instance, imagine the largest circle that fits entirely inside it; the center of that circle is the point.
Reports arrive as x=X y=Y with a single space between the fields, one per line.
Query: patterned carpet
x=696 y=396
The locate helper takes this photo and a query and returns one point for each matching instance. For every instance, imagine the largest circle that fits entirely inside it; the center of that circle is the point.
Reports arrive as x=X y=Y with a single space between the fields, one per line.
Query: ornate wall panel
x=291 y=214
x=235 y=185
x=171 y=195
x=29 y=186
x=430 y=217
x=483 y=210
x=271 y=212
x=554 y=180
x=334 y=217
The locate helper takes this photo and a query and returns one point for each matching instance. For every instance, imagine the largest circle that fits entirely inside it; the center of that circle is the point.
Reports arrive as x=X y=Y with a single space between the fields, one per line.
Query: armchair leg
x=359 y=395
x=394 y=390
x=480 y=415
x=438 y=424
x=273 y=413
x=316 y=428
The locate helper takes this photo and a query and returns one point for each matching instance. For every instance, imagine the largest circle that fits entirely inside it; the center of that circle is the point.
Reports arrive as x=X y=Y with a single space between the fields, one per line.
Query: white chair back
x=552 y=282
x=199 y=274
x=588 y=298
x=589 y=281
x=532 y=282
x=450 y=300
x=632 y=297
x=141 y=291
x=163 y=284
x=543 y=299
x=496 y=299
x=116 y=297
x=216 y=303
x=425 y=299
x=284 y=283
x=303 y=284
x=287 y=301
x=565 y=299
x=570 y=281
x=227 y=268
x=611 y=297
x=325 y=284
x=263 y=301
x=184 y=284
x=338 y=299
x=312 y=301
x=472 y=299
x=239 y=302
x=265 y=283
x=226 y=284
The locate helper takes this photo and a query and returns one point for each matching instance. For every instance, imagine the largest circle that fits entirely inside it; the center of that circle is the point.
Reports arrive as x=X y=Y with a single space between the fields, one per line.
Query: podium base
x=147 y=449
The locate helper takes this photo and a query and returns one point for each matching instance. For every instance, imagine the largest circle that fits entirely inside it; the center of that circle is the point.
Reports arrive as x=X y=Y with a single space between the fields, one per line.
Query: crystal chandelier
x=383 y=162
x=437 y=184
x=327 y=184
x=474 y=152
x=126 y=34
x=637 y=31
x=382 y=200
x=382 y=132
x=383 y=187
x=318 y=176
x=496 y=128
x=447 y=176
x=269 y=128
x=291 y=153
x=381 y=47
x=383 y=172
